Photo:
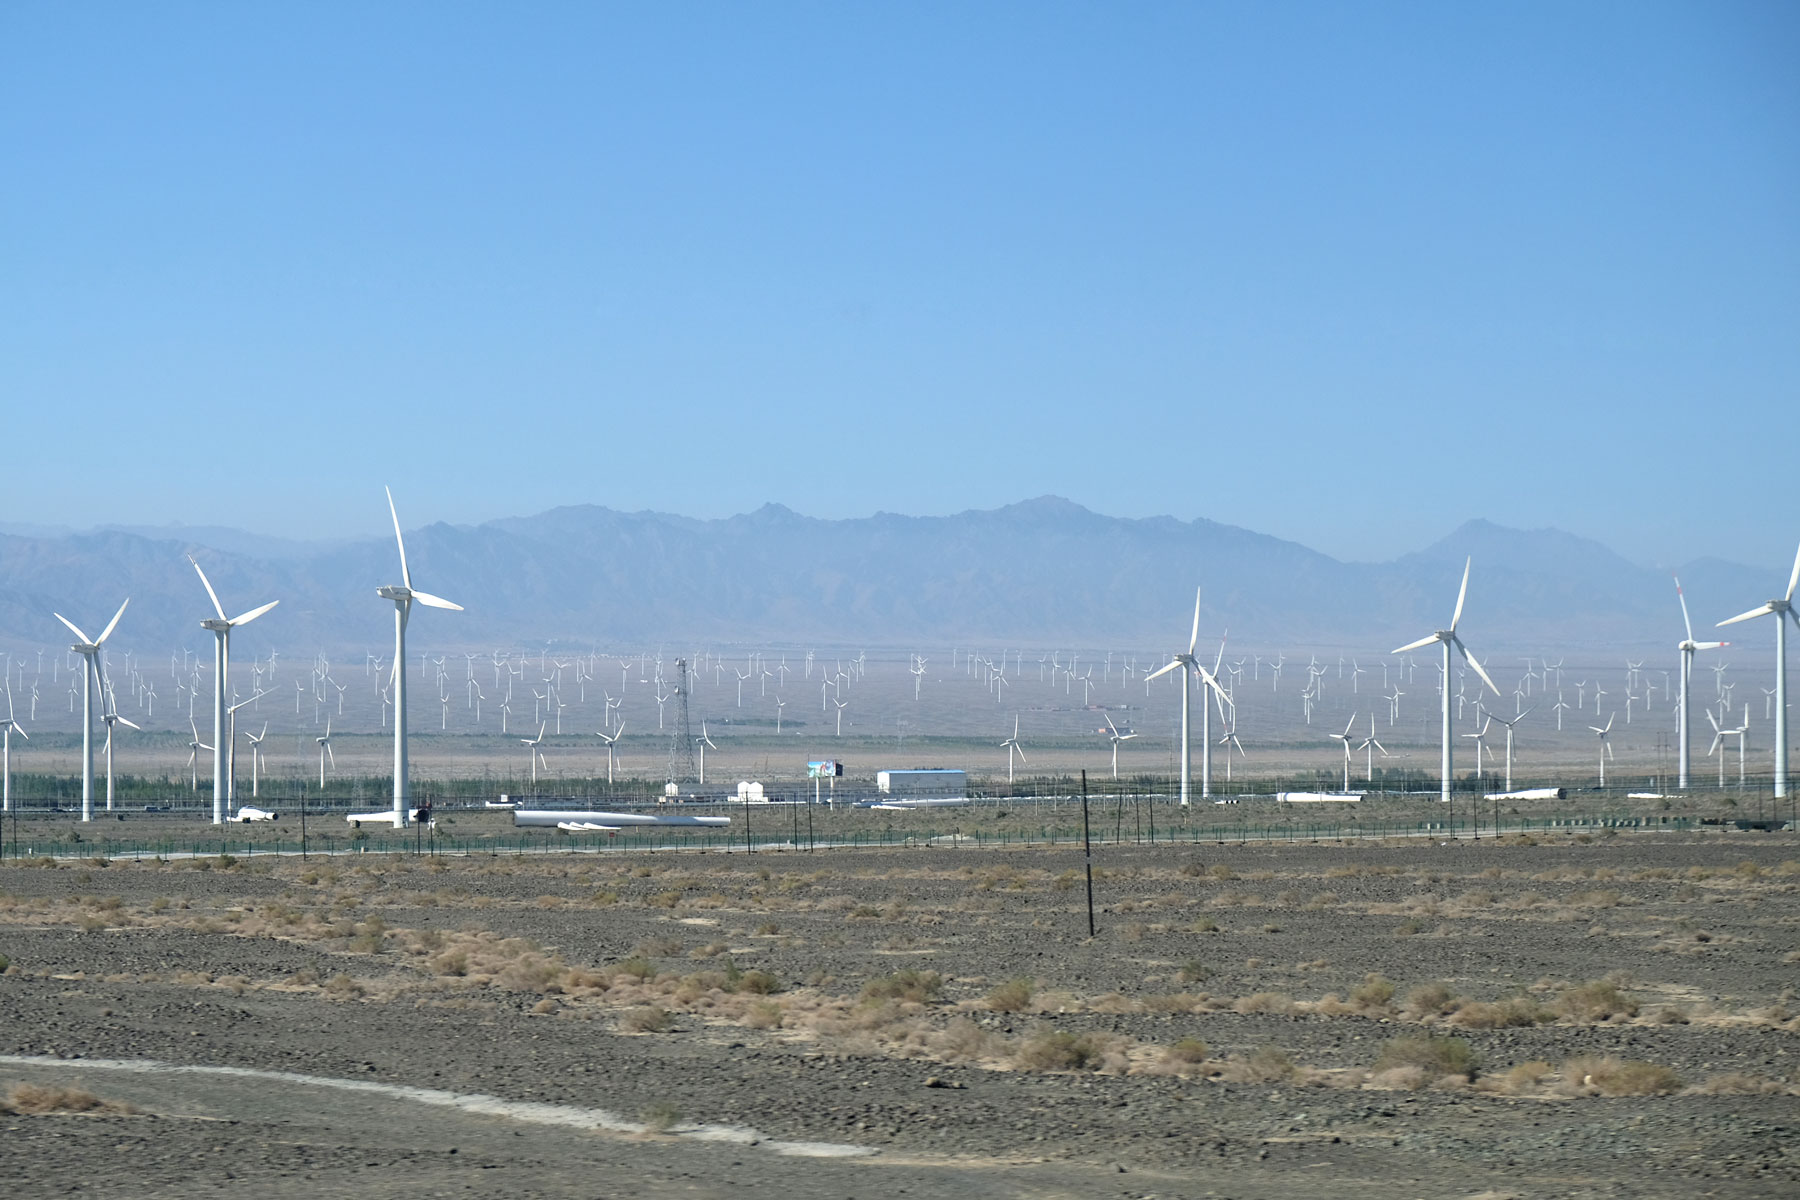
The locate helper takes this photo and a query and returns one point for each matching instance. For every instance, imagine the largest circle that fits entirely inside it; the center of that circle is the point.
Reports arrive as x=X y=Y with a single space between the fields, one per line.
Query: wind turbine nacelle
x=247 y=814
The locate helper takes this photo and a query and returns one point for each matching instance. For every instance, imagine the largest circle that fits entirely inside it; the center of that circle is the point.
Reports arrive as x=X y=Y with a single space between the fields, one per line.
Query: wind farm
x=694 y=511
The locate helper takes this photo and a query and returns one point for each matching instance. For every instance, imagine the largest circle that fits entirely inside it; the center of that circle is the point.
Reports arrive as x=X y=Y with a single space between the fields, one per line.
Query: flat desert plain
x=1593 y=1016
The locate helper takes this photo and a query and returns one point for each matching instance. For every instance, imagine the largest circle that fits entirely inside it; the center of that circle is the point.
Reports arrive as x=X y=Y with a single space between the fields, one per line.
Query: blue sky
x=1348 y=274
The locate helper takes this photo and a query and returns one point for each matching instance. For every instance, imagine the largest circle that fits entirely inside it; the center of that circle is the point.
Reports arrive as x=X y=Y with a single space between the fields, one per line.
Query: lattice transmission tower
x=681 y=741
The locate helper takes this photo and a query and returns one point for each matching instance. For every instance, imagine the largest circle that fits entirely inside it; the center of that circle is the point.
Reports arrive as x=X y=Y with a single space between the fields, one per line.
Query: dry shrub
x=962 y=1040
x=1265 y=1064
x=1609 y=1076
x=1515 y=1012
x=636 y=967
x=1324 y=900
x=545 y=1007
x=754 y=983
x=1012 y=996
x=531 y=973
x=1278 y=1003
x=646 y=1018
x=1060 y=1050
x=1604 y=898
x=344 y=987
x=1375 y=992
x=1740 y=1083
x=909 y=984
x=1409 y=1079
x=1187 y=1052
x=32 y=1099
x=1523 y=1078
x=1596 y=1000
x=763 y=1014
x=1436 y=1056
x=451 y=962
x=1432 y=1000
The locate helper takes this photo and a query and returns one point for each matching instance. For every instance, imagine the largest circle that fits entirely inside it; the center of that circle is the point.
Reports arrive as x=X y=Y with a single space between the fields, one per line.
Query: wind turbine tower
x=1687 y=648
x=220 y=627
x=1782 y=610
x=403 y=596
x=1448 y=638
x=681 y=738
x=90 y=655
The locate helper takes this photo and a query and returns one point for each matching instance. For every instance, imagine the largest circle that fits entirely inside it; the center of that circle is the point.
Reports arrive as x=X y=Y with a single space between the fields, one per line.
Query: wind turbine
x=1687 y=648
x=89 y=649
x=1370 y=745
x=1344 y=737
x=1448 y=638
x=256 y=741
x=231 y=751
x=1480 y=736
x=1011 y=745
x=1509 y=722
x=1115 y=737
x=535 y=755
x=609 y=749
x=194 y=749
x=403 y=596
x=221 y=627
x=703 y=742
x=111 y=717
x=1605 y=746
x=1187 y=662
x=7 y=729
x=1719 y=735
x=325 y=751
x=1782 y=609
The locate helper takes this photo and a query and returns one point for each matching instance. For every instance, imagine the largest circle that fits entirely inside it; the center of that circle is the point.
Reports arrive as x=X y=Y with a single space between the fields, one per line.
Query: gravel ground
x=234 y=966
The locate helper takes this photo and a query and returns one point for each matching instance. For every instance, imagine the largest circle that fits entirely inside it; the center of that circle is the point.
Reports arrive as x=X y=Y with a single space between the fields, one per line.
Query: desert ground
x=1606 y=1014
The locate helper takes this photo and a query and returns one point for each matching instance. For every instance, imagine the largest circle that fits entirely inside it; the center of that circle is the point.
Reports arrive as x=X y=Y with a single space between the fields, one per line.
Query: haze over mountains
x=1043 y=572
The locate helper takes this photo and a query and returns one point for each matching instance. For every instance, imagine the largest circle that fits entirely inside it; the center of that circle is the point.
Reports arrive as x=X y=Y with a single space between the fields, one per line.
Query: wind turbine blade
x=1021 y=751
x=1684 y=611
x=126 y=721
x=1425 y=641
x=1794 y=575
x=1710 y=645
x=405 y=575
x=1610 y=718
x=1194 y=637
x=207 y=583
x=254 y=613
x=75 y=629
x=1147 y=678
x=1461 y=595
x=1758 y=611
x=432 y=601
x=1470 y=659
x=112 y=624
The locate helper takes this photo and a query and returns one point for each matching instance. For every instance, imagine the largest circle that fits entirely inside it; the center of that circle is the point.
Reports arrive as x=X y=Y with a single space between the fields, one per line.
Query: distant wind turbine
x=1187 y=663
x=220 y=627
x=89 y=649
x=1448 y=638
x=1687 y=647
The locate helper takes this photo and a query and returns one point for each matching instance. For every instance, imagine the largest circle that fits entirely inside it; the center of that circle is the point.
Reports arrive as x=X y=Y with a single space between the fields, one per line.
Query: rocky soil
x=858 y=999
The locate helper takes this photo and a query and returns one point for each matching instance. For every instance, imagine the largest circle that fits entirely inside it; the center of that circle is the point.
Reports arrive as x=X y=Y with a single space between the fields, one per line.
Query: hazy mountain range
x=1044 y=572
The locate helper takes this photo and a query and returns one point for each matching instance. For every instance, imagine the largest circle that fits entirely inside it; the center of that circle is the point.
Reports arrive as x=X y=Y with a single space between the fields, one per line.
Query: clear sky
x=1345 y=273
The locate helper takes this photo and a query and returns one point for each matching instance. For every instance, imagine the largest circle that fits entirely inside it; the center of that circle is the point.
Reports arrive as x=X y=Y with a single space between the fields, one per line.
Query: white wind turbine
x=1188 y=663
x=1011 y=746
x=1344 y=737
x=1115 y=737
x=325 y=751
x=1605 y=746
x=1448 y=638
x=220 y=627
x=703 y=741
x=1687 y=647
x=403 y=596
x=1720 y=734
x=111 y=717
x=256 y=753
x=610 y=741
x=7 y=728
x=1781 y=609
x=194 y=749
x=1370 y=745
x=1509 y=722
x=89 y=649
x=536 y=755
